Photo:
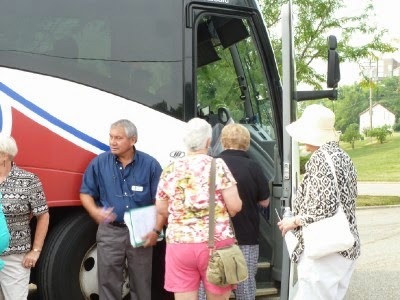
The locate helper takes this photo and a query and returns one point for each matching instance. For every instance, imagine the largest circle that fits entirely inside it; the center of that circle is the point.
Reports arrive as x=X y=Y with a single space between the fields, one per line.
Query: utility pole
x=372 y=72
x=370 y=94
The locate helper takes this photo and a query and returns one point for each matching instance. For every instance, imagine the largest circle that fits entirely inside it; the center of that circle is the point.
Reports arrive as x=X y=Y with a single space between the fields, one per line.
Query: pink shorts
x=186 y=265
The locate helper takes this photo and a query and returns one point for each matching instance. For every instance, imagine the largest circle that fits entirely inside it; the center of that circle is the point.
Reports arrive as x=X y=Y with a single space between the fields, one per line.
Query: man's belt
x=118 y=224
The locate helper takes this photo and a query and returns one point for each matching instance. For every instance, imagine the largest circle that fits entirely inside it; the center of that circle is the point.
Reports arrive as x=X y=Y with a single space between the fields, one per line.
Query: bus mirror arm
x=313 y=95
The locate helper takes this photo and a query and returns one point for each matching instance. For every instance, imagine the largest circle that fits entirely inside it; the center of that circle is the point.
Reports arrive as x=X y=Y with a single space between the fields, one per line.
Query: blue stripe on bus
x=53 y=120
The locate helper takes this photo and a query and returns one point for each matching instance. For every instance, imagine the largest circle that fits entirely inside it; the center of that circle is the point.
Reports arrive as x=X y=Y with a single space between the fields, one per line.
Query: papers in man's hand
x=141 y=221
x=291 y=242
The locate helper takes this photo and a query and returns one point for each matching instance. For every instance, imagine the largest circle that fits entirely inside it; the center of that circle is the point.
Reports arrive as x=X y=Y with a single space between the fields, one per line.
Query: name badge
x=137 y=188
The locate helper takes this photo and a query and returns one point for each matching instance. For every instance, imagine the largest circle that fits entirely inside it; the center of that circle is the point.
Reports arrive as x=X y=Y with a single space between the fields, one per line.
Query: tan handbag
x=227 y=265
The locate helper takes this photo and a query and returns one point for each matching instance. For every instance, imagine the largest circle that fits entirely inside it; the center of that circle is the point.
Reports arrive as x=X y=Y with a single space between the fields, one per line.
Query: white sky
x=386 y=17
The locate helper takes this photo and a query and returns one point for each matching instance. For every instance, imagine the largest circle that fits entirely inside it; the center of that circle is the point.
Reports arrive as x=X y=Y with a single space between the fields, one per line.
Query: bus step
x=265 y=290
x=264 y=265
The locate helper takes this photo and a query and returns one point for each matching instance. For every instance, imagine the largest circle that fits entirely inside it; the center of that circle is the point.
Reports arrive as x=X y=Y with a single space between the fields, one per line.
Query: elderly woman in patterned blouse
x=23 y=196
x=327 y=277
x=183 y=198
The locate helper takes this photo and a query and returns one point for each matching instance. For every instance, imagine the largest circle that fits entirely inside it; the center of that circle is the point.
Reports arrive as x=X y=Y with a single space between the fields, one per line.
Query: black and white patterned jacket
x=317 y=197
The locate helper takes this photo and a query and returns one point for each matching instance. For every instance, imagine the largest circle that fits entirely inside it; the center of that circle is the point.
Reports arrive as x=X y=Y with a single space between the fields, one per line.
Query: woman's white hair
x=197 y=132
x=8 y=146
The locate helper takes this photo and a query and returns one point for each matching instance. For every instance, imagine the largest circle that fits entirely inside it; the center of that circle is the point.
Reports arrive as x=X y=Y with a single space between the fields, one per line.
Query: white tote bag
x=328 y=235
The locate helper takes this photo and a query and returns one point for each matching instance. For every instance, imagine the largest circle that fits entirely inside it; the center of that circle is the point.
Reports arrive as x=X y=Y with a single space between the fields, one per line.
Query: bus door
x=235 y=79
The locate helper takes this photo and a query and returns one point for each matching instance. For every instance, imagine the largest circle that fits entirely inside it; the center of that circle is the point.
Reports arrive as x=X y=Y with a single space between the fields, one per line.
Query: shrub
x=303 y=160
x=396 y=127
x=351 y=134
x=380 y=134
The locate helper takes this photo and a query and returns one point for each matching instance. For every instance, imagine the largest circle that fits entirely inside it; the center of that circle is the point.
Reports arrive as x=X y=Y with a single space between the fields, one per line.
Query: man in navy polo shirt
x=114 y=182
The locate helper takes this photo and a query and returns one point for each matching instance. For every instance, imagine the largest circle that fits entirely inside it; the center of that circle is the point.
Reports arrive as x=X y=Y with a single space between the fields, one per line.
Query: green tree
x=387 y=93
x=352 y=101
x=314 y=22
x=380 y=133
x=396 y=127
x=355 y=99
x=351 y=134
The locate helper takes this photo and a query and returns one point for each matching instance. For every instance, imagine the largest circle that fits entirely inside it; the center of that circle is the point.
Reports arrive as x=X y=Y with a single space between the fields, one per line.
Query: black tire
x=58 y=272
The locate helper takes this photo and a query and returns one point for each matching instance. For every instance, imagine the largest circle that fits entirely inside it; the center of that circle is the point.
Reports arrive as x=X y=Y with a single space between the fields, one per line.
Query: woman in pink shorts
x=183 y=198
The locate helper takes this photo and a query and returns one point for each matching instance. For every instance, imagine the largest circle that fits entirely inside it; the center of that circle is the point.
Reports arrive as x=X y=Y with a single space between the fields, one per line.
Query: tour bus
x=68 y=69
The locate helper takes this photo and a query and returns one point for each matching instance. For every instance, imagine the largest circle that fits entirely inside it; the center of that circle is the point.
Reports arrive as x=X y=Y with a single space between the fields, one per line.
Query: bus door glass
x=232 y=85
x=230 y=77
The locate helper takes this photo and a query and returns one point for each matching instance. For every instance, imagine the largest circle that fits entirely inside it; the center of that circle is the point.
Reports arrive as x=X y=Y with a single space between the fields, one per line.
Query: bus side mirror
x=333 y=74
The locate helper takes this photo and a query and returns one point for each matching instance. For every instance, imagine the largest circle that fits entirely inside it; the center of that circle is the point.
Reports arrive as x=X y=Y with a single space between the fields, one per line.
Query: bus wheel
x=88 y=276
x=67 y=267
x=65 y=251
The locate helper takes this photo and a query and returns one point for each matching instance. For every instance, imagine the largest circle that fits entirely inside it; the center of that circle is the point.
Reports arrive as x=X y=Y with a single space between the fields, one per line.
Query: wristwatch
x=157 y=231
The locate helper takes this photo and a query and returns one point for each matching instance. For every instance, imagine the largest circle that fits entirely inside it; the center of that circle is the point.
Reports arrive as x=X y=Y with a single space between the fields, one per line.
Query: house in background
x=380 y=116
x=387 y=67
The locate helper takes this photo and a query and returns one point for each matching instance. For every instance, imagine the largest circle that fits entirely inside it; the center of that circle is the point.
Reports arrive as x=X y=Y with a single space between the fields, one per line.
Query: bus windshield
x=99 y=44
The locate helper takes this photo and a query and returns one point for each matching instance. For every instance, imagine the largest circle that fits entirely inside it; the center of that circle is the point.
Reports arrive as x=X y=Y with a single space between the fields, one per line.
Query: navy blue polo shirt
x=112 y=185
x=253 y=187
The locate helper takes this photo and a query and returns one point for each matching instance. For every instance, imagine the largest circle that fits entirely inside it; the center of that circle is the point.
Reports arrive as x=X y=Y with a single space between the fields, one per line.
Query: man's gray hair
x=130 y=128
x=198 y=131
x=8 y=146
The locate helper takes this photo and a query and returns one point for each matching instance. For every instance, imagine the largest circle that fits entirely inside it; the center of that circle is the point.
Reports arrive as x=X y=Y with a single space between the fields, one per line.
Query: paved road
x=377 y=272
x=378 y=269
x=379 y=188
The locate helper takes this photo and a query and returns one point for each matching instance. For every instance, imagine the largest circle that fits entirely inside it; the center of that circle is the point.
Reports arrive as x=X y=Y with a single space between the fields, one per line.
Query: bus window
x=230 y=75
x=99 y=44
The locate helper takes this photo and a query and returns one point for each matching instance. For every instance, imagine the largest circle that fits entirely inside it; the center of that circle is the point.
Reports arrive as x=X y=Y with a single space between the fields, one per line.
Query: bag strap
x=330 y=163
x=211 y=222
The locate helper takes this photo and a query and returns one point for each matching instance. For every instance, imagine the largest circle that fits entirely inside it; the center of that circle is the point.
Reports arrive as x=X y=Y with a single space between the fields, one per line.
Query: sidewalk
x=378 y=188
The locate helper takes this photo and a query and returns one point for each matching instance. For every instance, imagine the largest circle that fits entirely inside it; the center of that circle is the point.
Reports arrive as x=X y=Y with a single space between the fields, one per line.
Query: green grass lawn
x=375 y=161
x=377 y=200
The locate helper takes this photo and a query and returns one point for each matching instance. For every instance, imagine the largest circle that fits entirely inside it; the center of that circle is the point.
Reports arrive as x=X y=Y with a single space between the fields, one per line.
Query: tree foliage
x=352 y=134
x=355 y=99
x=379 y=133
x=352 y=101
x=315 y=20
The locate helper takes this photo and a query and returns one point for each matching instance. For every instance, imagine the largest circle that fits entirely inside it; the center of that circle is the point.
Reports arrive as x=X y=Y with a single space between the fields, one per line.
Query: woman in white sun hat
x=317 y=198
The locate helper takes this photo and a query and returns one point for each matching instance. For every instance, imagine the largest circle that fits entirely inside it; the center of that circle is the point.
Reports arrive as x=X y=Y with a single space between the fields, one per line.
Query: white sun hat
x=316 y=126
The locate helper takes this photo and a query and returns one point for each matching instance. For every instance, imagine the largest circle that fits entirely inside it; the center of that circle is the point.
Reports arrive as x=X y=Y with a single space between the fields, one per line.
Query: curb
x=376 y=206
x=378 y=182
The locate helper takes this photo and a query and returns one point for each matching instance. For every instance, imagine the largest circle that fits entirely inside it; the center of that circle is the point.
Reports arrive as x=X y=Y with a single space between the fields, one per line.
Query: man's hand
x=151 y=239
x=103 y=215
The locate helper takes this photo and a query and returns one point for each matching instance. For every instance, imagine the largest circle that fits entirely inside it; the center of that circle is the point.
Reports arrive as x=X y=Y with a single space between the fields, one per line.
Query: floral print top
x=185 y=185
x=317 y=197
